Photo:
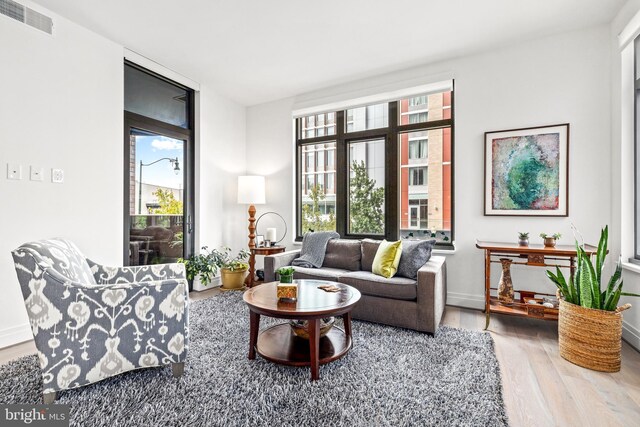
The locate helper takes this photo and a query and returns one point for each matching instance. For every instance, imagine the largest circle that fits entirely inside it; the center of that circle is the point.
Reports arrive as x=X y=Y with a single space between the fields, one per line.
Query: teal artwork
x=527 y=172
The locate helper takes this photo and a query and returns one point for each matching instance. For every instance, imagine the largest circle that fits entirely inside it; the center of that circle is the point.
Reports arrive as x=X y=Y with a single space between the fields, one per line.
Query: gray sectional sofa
x=398 y=301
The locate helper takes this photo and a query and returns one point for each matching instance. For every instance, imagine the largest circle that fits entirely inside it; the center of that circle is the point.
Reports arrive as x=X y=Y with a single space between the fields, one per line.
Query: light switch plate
x=57 y=176
x=37 y=173
x=14 y=171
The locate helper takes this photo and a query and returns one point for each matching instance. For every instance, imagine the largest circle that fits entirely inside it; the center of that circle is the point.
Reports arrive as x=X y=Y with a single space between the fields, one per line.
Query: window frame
x=391 y=133
x=636 y=153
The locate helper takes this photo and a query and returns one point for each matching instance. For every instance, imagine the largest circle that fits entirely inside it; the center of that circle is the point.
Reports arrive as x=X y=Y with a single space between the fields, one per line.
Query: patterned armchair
x=91 y=322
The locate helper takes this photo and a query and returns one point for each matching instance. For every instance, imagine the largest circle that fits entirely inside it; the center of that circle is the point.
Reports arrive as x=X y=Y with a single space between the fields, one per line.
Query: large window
x=380 y=170
x=158 y=169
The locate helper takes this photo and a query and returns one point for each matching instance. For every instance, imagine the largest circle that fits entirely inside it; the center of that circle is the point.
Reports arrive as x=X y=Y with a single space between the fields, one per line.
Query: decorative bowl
x=301 y=327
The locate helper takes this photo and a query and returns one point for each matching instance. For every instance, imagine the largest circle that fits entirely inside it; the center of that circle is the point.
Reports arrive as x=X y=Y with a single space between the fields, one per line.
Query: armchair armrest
x=273 y=262
x=432 y=292
x=139 y=273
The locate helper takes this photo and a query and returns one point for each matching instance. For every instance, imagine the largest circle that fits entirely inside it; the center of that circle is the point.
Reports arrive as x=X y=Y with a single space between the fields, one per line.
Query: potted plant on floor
x=590 y=321
x=233 y=269
x=200 y=270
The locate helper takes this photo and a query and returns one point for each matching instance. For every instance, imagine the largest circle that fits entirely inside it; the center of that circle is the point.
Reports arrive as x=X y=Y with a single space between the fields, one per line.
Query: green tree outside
x=311 y=216
x=168 y=203
x=366 y=202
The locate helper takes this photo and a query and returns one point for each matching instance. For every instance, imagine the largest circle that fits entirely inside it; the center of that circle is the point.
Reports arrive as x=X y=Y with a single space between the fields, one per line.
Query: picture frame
x=259 y=241
x=526 y=171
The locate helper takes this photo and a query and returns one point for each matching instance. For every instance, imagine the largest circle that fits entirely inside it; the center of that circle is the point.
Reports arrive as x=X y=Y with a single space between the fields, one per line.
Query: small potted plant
x=233 y=269
x=523 y=239
x=200 y=269
x=286 y=274
x=550 y=241
x=286 y=289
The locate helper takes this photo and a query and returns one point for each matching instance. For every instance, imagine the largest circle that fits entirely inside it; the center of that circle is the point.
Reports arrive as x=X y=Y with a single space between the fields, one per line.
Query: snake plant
x=584 y=288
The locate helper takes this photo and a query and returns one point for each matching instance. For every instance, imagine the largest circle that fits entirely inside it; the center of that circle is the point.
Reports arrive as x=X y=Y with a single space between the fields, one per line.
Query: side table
x=271 y=250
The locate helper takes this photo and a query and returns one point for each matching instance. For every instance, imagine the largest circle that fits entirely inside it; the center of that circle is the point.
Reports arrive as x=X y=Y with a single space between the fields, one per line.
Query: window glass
x=155 y=98
x=368 y=117
x=366 y=187
x=318 y=189
x=425 y=108
x=425 y=184
x=318 y=125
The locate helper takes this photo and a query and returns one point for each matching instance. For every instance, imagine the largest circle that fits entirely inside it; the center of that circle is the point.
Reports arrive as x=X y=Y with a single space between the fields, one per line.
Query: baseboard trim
x=631 y=335
x=465 y=300
x=15 y=335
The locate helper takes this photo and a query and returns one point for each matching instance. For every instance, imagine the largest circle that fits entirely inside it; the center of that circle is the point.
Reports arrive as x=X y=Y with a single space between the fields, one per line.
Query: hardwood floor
x=540 y=388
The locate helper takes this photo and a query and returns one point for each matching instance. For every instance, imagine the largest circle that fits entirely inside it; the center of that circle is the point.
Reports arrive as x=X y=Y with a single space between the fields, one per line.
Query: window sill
x=631 y=267
x=439 y=251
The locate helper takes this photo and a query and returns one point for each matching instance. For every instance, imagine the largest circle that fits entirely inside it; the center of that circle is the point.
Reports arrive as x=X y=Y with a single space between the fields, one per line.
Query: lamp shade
x=251 y=190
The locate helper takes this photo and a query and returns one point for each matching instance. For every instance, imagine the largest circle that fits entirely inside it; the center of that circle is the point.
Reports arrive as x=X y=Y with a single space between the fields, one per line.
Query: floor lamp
x=251 y=192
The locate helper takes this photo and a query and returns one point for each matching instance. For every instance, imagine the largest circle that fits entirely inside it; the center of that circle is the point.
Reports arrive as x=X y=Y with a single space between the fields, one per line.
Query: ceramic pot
x=549 y=242
x=233 y=280
x=505 y=287
x=523 y=242
x=198 y=286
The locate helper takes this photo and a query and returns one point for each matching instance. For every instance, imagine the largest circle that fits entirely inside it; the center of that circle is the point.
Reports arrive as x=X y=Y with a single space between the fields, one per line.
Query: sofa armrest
x=139 y=273
x=432 y=292
x=273 y=262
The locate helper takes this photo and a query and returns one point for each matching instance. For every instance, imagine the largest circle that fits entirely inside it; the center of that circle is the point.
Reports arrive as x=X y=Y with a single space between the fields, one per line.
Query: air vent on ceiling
x=26 y=15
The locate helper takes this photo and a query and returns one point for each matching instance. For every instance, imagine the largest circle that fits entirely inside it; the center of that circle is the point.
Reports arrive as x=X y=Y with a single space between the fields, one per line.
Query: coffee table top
x=311 y=300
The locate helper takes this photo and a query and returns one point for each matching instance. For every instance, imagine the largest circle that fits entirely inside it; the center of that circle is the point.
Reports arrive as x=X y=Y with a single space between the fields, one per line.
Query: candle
x=271 y=235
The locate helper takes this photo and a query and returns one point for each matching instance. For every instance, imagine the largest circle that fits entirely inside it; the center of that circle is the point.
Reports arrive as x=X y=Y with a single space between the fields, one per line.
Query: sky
x=152 y=148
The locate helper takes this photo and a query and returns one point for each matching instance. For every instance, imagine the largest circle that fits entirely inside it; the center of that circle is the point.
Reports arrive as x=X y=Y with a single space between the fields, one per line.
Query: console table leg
x=254 y=321
x=314 y=348
x=487 y=320
x=487 y=286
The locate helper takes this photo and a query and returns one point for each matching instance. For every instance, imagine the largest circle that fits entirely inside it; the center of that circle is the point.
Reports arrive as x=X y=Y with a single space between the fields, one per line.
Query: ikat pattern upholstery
x=91 y=322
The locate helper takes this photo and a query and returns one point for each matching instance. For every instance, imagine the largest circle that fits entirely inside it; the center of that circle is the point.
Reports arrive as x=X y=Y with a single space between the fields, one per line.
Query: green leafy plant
x=286 y=271
x=200 y=265
x=523 y=236
x=222 y=258
x=585 y=287
x=553 y=236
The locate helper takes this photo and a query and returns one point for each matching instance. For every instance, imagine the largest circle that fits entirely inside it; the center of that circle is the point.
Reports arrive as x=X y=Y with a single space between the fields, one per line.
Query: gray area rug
x=391 y=377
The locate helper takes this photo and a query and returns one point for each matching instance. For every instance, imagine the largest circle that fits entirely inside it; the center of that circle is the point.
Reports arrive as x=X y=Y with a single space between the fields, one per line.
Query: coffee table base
x=279 y=344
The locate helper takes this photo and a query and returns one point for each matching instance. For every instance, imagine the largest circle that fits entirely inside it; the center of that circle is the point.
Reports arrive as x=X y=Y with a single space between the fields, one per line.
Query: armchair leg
x=49 y=398
x=178 y=369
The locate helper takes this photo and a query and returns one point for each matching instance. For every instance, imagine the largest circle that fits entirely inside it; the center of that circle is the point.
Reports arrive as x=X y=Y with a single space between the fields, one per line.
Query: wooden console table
x=534 y=255
x=271 y=250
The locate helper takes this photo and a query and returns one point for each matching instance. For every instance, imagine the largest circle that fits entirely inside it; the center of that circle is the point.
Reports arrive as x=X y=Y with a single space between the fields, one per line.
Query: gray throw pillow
x=415 y=254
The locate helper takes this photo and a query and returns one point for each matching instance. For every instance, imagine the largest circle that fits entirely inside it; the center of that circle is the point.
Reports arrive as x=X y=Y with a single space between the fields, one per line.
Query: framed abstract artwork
x=526 y=171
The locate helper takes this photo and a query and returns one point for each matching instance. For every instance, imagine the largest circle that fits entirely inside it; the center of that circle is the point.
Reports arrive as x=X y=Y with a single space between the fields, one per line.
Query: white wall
x=554 y=80
x=61 y=105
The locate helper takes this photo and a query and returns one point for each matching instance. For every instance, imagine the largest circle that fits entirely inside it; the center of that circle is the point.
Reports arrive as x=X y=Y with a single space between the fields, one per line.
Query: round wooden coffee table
x=279 y=344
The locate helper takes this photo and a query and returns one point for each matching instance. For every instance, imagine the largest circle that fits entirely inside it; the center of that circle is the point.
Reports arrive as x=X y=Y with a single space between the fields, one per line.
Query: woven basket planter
x=589 y=337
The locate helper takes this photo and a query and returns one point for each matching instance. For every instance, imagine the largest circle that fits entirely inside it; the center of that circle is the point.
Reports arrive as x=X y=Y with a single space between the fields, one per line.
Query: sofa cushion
x=370 y=284
x=387 y=259
x=415 y=254
x=343 y=254
x=318 y=273
x=369 y=247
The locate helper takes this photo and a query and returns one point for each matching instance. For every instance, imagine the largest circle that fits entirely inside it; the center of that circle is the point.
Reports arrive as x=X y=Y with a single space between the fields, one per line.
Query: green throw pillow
x=387 y=258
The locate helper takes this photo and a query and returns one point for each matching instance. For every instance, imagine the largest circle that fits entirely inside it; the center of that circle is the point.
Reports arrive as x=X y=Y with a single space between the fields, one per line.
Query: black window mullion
x=342 y=175
x=391 y=226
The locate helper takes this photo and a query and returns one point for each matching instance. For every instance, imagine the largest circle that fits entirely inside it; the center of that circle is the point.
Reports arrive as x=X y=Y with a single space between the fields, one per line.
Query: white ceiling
x=255 y=51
